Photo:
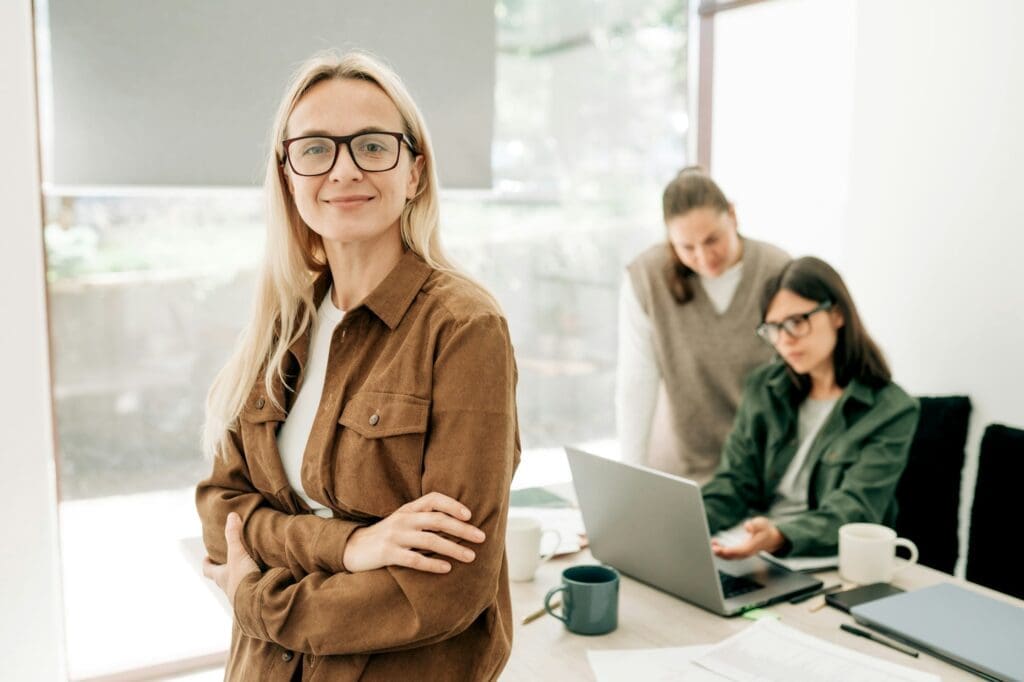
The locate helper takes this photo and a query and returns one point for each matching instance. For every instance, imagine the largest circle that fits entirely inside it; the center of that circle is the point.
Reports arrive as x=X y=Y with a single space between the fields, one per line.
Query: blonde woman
x=363 y=432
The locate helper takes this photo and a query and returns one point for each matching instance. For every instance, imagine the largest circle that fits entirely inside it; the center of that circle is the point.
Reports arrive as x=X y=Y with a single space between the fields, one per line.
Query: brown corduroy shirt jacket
x=419 y=397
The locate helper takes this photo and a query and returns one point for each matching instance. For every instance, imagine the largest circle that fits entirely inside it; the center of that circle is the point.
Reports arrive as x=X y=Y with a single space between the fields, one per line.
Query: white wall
x=783 y=99
x=911 y=146
x=934 y=234
x=31 y=622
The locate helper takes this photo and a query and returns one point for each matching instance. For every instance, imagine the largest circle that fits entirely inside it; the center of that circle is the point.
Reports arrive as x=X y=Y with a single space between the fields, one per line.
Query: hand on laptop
x=763 y=537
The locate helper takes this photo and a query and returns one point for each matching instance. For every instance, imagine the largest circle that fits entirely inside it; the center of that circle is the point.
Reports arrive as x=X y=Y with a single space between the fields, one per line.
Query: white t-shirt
x=638 y=377
x=791 y=495
x=294 y=433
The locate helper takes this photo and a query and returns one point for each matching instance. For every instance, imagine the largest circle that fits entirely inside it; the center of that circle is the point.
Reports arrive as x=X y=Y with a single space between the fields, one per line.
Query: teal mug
x=590 y=599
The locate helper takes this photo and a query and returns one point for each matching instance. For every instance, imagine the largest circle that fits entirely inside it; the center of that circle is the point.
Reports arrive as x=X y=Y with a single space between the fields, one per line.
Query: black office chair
x=928 y=493
x=996 y=512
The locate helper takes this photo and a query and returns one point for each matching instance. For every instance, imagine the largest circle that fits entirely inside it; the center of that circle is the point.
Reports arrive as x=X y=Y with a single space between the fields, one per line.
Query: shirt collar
x=389 y=301
x=393 y=296
x=859 y=392
x=783 y=387
x=780 y=383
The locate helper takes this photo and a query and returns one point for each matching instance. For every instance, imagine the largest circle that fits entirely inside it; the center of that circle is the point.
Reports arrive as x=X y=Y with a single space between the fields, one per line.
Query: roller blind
x=183 y=92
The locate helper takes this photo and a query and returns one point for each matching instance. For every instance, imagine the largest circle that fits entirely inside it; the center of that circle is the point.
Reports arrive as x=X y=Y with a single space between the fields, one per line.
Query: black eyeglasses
x=371 y=152
x=797 y=326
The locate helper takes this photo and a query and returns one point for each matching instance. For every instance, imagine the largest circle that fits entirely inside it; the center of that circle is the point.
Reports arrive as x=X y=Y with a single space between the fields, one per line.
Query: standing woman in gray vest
x=686 y=310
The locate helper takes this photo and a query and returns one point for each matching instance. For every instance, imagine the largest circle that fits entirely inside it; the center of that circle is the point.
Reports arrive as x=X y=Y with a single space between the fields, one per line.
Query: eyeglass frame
x=763 y=332
x=340 y=140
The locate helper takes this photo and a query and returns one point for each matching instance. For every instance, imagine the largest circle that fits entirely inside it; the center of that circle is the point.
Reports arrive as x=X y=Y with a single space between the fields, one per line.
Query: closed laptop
x=963 y=627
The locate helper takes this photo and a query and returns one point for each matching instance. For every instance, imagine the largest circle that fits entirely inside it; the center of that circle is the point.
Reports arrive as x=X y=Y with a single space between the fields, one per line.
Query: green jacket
x=856 y=459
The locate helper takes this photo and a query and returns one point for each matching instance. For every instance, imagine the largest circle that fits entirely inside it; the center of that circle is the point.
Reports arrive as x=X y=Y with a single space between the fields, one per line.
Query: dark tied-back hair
x=856 y=355
x=691 y=188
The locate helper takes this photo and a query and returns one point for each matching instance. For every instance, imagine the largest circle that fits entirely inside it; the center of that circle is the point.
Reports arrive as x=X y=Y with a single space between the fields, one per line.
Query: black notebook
x=847 y=599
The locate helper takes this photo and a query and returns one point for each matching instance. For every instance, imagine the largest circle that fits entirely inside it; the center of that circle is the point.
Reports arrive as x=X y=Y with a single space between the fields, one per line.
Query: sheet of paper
x=804 y=563
x=650 y=665
x=769 y=651
x=538 y=497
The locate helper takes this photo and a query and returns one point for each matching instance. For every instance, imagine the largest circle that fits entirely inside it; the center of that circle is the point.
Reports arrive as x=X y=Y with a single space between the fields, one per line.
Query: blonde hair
x=294 y=254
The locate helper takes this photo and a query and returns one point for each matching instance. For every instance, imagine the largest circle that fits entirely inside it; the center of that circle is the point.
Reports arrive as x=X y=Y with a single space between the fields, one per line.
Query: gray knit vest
x=703 y=357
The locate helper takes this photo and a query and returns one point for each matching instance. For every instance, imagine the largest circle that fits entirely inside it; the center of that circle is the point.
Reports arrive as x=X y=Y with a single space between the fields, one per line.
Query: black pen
x=821 y=590
x=875 y=638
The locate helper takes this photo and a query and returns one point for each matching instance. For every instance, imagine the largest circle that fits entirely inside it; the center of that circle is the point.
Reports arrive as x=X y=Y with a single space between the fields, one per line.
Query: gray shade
x=182 y=93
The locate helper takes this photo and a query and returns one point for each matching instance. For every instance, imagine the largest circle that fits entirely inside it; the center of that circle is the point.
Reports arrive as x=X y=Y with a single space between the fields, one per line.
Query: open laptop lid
x=652 y=527
x=968 y=629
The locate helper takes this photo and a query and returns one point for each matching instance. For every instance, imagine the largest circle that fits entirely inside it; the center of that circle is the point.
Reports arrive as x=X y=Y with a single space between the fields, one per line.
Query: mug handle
x=912 y=548
x=558 y=541
x=547 y=602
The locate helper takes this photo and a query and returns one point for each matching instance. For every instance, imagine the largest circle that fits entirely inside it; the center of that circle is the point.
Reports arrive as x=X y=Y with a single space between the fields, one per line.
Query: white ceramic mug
x=522 y=545
x=867 y=553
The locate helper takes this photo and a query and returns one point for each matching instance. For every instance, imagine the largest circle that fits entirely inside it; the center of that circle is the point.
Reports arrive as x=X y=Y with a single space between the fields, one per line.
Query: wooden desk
x=649 y=618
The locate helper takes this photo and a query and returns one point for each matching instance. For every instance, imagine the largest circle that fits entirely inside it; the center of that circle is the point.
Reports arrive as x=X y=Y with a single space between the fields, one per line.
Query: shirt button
x=374 y=419
x=286 y=656
x=260 y=403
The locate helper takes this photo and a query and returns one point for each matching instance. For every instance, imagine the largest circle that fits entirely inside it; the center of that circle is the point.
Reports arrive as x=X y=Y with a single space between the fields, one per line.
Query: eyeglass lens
x=370 y=152
x=796 y=326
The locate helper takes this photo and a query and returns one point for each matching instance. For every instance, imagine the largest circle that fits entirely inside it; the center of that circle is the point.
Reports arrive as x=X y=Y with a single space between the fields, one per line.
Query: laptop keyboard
x=733 y=586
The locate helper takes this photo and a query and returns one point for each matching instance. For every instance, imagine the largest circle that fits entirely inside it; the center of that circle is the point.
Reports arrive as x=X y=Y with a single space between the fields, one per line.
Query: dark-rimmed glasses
x=373 y=152
x=797 y=326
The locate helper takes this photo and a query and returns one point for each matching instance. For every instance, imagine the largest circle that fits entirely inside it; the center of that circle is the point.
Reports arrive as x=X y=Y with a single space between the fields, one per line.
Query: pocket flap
x=840 y=455
x=374 y=414
x=259 y=409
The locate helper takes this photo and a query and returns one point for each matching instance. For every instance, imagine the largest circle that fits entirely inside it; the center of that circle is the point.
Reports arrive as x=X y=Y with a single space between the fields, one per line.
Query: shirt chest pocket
x=379 y=461
x=832 y=468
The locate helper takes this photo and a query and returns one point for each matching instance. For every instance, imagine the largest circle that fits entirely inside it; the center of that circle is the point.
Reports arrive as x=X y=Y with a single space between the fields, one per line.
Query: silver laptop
x=965 y=628
x=652 y=527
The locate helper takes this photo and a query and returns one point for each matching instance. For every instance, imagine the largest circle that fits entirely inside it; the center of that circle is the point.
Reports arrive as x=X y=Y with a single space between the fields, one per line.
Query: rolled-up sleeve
x=471 y=451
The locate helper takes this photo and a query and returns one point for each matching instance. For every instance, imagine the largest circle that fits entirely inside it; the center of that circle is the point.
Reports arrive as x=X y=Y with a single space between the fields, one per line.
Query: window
x=148 y=291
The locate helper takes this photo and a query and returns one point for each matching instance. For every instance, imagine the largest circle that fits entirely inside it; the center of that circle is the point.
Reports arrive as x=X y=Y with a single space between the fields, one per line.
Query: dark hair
x=691 y=188
x=856 y=355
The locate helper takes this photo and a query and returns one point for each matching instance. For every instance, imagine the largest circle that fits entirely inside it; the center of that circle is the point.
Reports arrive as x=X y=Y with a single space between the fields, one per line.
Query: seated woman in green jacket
x=820 y=438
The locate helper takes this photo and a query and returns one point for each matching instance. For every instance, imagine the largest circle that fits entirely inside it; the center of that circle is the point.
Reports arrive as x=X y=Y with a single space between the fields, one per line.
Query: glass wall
x=148 y=290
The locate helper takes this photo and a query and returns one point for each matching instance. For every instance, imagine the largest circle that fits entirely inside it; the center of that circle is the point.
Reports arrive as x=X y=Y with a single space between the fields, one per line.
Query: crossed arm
x=308 y=543
x=386 y=604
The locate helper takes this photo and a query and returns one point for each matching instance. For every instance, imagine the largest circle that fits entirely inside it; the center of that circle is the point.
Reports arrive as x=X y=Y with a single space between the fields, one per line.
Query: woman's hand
x=764 y=537
x=239 y=564
x=413 y=528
